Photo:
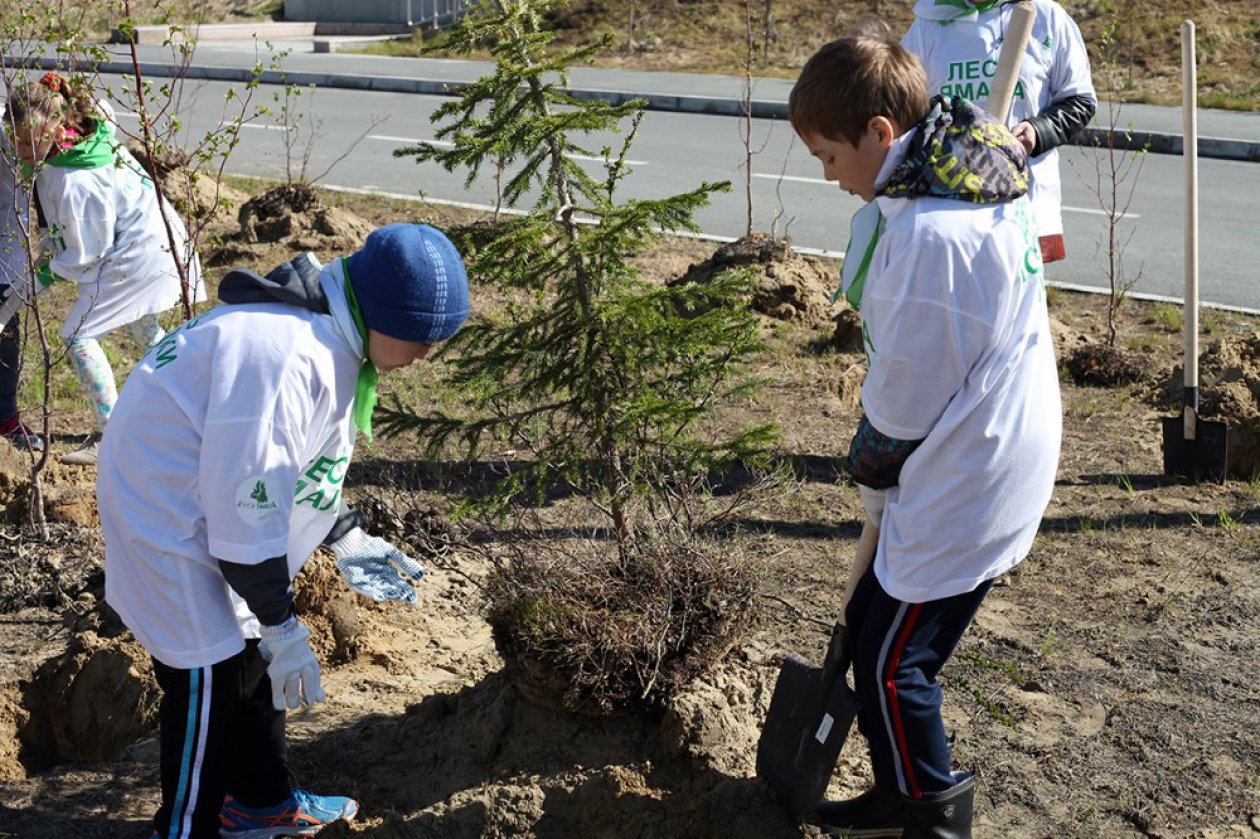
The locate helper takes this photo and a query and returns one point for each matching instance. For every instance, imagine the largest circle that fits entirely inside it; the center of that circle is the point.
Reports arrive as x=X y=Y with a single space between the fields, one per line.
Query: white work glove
x=291 y=665
x=375 y=568
x=873 y=501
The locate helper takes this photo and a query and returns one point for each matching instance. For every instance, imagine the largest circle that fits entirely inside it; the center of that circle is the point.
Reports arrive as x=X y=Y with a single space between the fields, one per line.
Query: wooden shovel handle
x=1014 y=42
x=1190 y=125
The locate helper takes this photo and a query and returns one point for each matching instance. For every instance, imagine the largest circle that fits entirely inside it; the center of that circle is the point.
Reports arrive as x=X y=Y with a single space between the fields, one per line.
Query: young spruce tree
x=604 y=376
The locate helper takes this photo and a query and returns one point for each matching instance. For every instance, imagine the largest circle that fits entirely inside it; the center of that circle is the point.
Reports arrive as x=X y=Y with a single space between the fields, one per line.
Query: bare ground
x=1103 y=692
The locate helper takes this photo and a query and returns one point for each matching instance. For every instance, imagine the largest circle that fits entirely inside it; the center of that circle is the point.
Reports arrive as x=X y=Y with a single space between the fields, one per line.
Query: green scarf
x=948 y=10
x=365 y=388
x=91 y=152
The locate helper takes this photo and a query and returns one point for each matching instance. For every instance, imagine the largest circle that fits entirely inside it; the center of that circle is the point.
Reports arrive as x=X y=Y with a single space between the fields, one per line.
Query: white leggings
x=95 y=374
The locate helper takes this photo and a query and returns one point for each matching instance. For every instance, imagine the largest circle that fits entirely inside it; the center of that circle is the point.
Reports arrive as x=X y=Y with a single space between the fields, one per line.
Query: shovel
x=812 y=709
x=1194 y=448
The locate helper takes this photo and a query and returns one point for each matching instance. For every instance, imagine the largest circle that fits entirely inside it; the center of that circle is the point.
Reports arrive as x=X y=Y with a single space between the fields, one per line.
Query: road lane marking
x=793 y=178
x=411 y=141
x=1096 y=212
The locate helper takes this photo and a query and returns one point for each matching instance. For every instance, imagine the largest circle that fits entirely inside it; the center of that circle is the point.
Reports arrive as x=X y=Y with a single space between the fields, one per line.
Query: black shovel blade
x=1204 y=458
x=810 y=714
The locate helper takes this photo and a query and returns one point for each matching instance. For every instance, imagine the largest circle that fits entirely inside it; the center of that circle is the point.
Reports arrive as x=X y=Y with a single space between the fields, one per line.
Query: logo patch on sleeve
x=255 y=501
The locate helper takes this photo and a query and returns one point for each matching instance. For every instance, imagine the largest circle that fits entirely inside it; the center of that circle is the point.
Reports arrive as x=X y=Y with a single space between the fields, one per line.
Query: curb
x=1217 y=148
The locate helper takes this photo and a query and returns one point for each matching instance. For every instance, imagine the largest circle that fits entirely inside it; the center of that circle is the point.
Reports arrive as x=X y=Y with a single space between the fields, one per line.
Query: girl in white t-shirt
x=958 y=42
x=107 y=232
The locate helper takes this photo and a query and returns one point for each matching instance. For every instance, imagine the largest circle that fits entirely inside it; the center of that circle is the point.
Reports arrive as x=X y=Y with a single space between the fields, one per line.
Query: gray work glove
x=375 y=568
x=291 y=665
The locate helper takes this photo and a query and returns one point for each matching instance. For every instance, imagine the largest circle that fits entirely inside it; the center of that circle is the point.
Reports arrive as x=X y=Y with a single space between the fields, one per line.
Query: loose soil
x=1103 y=690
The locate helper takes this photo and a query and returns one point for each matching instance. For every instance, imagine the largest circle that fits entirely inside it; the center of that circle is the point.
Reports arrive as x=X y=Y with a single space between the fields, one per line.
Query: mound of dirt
x=789 y=286
x=69 y=491
x=295 y=215
x=328 y=609
x=479 y=760
x=195 y=195
x=1229 y=391
x=89 y=703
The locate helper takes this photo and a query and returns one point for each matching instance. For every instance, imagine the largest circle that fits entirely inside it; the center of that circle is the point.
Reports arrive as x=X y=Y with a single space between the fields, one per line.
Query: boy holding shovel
x=956 y=452
x=220 y=474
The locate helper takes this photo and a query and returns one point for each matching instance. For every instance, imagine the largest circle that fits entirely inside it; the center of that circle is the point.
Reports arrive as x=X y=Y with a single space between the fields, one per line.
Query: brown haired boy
x=956 y=452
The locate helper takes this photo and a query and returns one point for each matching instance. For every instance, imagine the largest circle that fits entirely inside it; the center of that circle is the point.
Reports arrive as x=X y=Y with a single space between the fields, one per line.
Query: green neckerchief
x=365 y=388
x=92 y=152
x=864 y=231
x=947 y=10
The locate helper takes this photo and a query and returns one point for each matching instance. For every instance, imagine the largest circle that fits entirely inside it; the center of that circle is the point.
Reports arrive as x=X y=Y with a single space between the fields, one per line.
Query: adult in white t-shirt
x=958 y=42
x=15 y=230
x=221 y=472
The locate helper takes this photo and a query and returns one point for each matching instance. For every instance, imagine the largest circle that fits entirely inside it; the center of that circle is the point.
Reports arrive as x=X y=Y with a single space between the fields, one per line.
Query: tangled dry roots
x=584 y=629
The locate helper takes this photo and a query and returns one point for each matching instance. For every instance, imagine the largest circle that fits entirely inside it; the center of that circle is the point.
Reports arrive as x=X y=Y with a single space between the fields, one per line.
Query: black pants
x=220 y=736
x=10 y=354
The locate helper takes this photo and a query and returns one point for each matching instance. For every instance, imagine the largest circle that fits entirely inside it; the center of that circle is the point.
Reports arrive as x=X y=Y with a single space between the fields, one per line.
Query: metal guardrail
x=435 y=14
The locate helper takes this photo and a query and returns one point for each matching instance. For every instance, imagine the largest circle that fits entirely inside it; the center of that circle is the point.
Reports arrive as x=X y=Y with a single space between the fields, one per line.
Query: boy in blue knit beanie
x=220 y=474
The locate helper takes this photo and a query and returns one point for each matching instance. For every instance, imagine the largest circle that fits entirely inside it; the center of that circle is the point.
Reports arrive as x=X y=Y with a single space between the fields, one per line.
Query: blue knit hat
x=410 y=283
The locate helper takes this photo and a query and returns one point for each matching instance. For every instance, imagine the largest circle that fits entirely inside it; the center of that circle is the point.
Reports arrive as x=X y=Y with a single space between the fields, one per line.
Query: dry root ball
x=292 y=215
x=90 y=703
x=1104 y=366
x=278 y=202
x=582 y=629
x=788 y=286
x=295 y=214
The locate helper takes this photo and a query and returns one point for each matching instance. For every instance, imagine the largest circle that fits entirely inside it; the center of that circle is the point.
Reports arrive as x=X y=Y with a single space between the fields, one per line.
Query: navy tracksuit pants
x=219 y=735
x=898 y=649
x=10 y=357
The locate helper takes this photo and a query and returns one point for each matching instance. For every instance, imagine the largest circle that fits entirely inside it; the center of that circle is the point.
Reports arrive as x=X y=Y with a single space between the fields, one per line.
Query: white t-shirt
x=960 y=357
x=230 y=441
x=961 y=58
x=106 y=234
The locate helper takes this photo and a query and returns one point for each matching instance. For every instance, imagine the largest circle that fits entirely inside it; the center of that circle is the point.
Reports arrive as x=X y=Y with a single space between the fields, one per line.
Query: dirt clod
x=789 y=286
x=90 y=703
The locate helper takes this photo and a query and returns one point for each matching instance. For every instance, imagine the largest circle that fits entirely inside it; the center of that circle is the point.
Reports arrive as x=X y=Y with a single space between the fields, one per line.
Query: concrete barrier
x=262 y=30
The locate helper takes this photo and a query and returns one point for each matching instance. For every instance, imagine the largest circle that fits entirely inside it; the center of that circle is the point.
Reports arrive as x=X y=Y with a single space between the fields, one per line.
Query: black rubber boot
x=946 y=815
x=876 y=812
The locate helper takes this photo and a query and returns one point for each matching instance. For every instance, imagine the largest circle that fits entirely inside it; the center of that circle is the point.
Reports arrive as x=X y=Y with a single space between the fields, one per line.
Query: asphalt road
x=675 y=152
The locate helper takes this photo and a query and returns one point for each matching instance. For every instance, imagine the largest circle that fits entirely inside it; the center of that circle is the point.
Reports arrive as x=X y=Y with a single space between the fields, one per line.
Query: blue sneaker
x=302 y=814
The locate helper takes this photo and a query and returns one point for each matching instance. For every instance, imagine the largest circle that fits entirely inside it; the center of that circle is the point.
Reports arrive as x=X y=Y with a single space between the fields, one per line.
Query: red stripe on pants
x=894 y=710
